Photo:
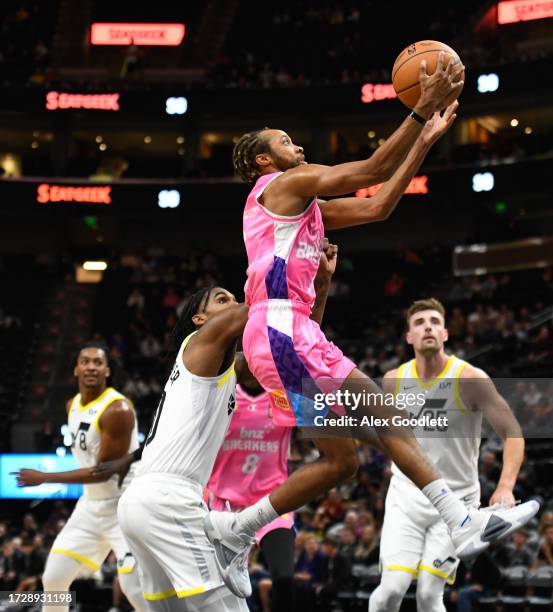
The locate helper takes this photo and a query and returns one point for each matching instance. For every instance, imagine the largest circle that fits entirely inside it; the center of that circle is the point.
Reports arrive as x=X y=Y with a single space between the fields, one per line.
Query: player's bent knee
x=55 y=579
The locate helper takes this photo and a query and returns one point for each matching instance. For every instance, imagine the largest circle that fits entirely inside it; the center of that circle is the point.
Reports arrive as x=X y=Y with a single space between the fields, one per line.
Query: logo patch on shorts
x=280 y=400
x=438 y=562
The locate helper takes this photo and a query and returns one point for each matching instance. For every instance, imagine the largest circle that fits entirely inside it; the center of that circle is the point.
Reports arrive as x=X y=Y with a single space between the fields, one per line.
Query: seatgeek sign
x=418 y=185
x=142 y=34
x=56 y=194
x=513 y=11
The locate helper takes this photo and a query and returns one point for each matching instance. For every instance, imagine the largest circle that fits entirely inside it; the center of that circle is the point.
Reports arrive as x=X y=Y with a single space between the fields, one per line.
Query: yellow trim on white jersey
x=431 y=383
x=224 y=376
x=179 y=594
x=456 y=393
x=117 y=397
x=82 y=408
x=433 y=571
x=399 y=376
x=77 y=557
x=402 y=568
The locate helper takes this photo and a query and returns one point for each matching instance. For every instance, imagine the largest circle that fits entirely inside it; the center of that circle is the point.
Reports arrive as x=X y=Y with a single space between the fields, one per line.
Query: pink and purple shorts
x=291 y=358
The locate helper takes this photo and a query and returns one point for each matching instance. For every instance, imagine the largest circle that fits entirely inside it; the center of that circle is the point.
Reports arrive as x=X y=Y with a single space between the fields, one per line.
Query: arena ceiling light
x=176 y=105
x=168 y=198
x=144 y=34
x=483 y=181
x=95 y=266
x=488 y=82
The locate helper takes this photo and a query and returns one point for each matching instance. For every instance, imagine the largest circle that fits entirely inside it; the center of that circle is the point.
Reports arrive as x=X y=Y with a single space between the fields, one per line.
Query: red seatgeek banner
x=152 y=34
x=512 y=11
x=100 y=194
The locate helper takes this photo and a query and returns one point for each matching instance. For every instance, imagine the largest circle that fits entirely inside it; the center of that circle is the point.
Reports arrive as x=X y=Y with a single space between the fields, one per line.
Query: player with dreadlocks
x=283 y=226
x=162 y=512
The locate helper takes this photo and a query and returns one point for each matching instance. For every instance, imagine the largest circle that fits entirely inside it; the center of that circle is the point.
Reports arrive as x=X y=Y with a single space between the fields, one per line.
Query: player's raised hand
x=329 y=259
x=438 y=124
x=503 y=495
x=443 y=84
x=29 y=478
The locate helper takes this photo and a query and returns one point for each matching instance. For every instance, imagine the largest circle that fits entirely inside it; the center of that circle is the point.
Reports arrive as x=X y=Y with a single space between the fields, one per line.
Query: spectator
x=150 y=348
x=336 y=575
x=517 y=552
x=545 y=552
x=309 y=566
x=484 y=576
x=348 y=541
x=135 y=300
x=367 y=550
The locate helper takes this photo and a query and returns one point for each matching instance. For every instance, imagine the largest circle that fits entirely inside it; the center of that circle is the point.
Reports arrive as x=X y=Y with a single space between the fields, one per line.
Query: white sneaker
x=231 y=551
x=490 y=525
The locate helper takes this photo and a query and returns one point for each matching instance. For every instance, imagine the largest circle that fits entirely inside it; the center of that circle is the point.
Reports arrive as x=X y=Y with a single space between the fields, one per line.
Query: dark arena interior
x=119 y=201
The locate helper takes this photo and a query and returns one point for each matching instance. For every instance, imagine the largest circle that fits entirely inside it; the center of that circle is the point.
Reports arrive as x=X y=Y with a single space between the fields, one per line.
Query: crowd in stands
x=24 y=546
x=326 y=42
x=25 y=34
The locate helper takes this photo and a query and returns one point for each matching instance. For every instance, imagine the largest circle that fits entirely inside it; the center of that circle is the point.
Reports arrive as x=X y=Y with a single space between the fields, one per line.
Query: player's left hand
x=438 y=124
x=29 y=478
x=503 y=495
x=329 y=258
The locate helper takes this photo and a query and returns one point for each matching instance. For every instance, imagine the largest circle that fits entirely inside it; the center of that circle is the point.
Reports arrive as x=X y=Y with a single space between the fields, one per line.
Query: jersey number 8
x=250 y=464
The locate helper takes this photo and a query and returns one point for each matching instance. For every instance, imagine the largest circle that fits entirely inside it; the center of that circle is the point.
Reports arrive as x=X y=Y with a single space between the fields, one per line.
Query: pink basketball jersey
x=283 y=252
x=253 y=458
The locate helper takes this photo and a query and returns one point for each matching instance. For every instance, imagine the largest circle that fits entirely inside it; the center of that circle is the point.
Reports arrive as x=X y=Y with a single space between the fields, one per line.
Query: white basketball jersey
x=453 y=448
x=84 y=425
x=190 y=423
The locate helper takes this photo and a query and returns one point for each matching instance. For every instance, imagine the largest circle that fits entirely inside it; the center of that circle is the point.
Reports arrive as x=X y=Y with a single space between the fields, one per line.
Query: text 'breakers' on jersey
x=190 y=423
x=283 y=252
x=84 y=425
x=253 y=458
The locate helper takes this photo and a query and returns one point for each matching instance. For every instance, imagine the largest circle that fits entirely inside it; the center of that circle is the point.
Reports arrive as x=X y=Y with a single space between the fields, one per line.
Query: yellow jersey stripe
x=428 y=385
x=399 y=376
x=456 y=394
x=434 y=571
x=103 y=409
x=77 y=557
x=229 y=373
x=125 y=570
x=179 y=594
x=101 y=397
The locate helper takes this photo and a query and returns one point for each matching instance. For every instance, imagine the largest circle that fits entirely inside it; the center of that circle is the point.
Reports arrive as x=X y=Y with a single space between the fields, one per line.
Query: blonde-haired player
x=415 y=540
x=103 y=427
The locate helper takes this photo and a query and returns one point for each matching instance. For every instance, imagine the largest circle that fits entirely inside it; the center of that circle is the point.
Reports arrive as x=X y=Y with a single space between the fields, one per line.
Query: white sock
x=451 y=509
x=254 y=517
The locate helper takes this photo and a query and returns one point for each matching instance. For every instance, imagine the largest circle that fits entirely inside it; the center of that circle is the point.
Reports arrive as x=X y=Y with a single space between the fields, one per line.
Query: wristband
x=417 y=117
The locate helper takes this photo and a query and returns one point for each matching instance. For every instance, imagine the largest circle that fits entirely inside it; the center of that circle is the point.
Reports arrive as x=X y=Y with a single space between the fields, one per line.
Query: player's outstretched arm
x=311 y=180
x=478 y=390
x=116 y=425
x=347 y=212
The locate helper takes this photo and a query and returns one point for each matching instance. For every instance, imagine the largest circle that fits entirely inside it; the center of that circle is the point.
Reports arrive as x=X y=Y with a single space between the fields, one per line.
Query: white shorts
x=162 y=516
x=91 y=532
x=414 y=537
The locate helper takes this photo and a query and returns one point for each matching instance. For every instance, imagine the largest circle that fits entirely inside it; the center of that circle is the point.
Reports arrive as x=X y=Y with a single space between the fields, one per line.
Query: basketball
x=405 y=72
